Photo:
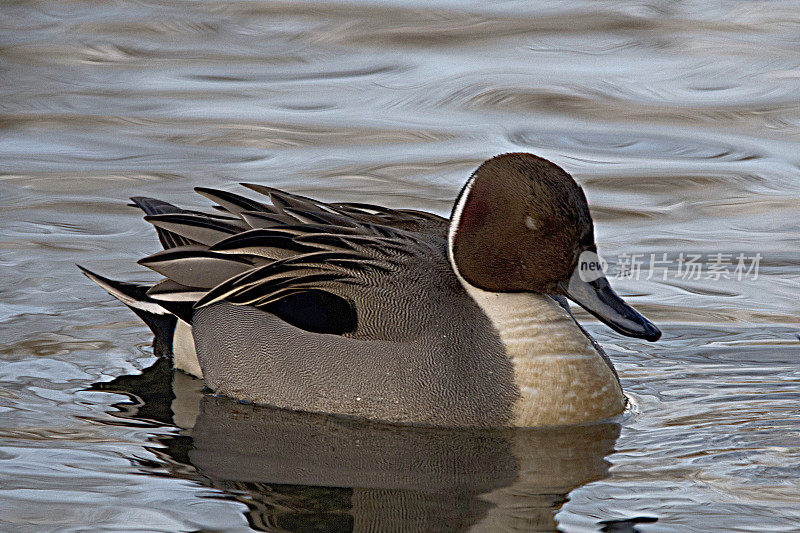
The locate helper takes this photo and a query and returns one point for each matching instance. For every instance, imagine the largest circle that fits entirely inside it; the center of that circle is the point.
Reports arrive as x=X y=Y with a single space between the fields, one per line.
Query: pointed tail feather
x=158 y=318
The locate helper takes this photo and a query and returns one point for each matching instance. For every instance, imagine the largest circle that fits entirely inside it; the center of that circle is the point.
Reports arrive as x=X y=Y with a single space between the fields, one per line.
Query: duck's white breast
x=561 y=377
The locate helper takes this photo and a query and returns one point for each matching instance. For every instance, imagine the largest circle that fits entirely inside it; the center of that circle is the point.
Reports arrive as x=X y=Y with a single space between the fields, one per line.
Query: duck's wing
x=321 y=267
x=311 y=277
x=316 y=277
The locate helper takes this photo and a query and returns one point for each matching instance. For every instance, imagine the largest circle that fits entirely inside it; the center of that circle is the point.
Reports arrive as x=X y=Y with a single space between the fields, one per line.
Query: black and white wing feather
x=321 y=267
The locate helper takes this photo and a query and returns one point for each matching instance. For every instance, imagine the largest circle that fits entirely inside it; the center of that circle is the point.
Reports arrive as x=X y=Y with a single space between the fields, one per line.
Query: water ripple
x=679 y=119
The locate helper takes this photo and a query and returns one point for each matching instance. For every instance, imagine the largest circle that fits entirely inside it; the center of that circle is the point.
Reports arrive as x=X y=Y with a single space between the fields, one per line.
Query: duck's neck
x=561 y=377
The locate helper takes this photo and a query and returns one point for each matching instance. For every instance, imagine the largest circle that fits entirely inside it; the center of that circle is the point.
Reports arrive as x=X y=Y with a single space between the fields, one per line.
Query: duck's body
x=383 y=314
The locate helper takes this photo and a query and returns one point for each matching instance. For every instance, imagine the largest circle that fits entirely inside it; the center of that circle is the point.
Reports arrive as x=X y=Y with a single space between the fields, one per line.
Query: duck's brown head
x=522 y=224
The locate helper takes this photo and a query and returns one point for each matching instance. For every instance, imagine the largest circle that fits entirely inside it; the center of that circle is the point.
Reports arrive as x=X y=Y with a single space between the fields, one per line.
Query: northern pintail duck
x=392 y=314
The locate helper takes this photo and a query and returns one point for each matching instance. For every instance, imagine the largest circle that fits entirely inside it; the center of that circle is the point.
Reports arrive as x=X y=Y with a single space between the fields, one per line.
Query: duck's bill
x=597 y=297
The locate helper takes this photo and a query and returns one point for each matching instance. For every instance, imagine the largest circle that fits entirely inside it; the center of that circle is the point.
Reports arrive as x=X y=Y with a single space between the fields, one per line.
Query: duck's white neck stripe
x=561 y=377
x=513 y=314
x=455 y=222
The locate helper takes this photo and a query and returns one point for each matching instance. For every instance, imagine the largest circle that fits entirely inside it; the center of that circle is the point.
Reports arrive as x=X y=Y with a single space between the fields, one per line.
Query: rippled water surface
x=680 y=119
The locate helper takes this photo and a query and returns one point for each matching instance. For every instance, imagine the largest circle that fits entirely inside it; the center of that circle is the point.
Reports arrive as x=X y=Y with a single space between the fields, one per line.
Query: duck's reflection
x=306 y=472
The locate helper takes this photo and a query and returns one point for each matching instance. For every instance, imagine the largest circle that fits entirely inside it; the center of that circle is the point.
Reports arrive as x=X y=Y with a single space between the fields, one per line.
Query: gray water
x=680 y=119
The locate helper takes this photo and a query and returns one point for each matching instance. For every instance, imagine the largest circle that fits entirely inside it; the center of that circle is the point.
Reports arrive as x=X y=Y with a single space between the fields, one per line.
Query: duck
x=392 y=315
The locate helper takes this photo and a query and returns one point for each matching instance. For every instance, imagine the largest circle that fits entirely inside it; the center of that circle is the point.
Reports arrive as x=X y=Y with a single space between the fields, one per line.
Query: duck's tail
x=159 y=319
